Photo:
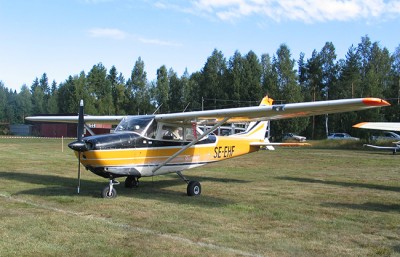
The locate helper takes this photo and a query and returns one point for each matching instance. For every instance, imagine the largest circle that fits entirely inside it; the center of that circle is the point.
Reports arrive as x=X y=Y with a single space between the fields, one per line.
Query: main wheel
x=194 y=188
x=107 y=193
x=131 y=182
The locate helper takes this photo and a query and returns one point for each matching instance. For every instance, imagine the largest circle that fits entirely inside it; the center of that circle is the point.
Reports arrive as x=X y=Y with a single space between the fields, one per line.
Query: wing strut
x=206 y=133
x=89 y=129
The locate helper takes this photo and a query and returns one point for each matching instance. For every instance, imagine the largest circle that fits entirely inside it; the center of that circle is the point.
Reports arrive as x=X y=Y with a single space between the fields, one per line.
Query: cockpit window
x=134 y=124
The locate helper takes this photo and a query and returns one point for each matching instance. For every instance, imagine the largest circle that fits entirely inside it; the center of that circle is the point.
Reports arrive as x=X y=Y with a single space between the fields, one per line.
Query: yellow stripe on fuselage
x=224 y=148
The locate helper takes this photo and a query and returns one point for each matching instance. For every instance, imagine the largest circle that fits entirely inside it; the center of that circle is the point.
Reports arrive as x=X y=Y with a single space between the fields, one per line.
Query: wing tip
x=359 y=125
x=370 y=101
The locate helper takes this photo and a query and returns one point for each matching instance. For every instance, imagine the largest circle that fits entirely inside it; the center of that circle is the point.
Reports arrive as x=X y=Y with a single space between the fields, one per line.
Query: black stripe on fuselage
x=133 y=140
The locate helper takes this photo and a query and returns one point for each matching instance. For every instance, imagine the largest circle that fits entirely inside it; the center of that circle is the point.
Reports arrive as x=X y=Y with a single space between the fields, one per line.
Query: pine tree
x=162 y=90
x=252 y=78
x=101 y=87
x=289 y=89
x=24 y=103
x=175 y=92
x=269 y=78
x=212 y=85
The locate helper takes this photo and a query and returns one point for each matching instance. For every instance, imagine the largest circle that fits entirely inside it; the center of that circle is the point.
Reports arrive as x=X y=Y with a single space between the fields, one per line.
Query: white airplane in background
x=387 y=126
x=150 y=145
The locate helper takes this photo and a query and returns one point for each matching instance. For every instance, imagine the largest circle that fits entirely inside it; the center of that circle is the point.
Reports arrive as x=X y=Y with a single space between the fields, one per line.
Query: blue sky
x=64 y=37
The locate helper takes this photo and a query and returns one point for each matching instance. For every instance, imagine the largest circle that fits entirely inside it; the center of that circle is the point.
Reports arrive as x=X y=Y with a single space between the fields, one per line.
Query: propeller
x=79 y=145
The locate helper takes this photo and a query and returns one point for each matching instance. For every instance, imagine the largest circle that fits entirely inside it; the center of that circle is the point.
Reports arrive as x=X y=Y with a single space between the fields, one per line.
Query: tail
x=257 y=130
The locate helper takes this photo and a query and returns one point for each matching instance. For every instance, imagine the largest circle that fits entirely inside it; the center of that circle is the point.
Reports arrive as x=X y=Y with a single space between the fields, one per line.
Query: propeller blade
x=80 y=122
x=79 y=172
x=80 y=132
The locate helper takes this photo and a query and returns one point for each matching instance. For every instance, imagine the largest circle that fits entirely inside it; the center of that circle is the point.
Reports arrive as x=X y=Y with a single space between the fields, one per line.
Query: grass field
x=288 y=202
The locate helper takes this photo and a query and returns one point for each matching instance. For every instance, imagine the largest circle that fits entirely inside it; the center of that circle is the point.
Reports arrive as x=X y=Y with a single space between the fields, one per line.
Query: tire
x=107 y=194
x=194 y=188
x=131 y=182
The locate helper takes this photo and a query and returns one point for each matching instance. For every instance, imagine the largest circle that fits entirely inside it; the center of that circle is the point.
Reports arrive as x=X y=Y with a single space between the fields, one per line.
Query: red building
x=66 y=129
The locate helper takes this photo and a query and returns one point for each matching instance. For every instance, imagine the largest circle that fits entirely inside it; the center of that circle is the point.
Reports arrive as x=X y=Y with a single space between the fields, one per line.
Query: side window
x=189 y=134
x=172 y=132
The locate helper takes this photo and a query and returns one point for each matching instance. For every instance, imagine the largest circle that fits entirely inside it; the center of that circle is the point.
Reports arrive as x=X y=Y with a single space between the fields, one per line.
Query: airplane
x=388 y=126
x=150 y=145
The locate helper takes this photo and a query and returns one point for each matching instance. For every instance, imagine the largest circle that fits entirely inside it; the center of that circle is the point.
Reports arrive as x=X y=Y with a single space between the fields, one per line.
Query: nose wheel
x=109 y=191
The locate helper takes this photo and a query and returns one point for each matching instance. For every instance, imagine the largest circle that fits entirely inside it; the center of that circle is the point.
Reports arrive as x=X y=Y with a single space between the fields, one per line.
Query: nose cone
x=79 y=146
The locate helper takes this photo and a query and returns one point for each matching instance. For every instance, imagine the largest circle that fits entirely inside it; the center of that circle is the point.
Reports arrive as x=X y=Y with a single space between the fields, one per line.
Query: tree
x=3 y=101
x=52 y=104
x=138 y=91
x=117 y=90
x=329 y=74
x=313 y=88
x=67 y=100
x=162 y=90
x=44 y=85
x=316 y=78
x=102 y=89
x=195 y=91
x=186 y=90
x=24 y=103
x=393 y=90
x=212 y=85
x=269 y=80
x=252 y=77
x=175 y=92
x=38 y=98
x=234 y=77
x=289 y=90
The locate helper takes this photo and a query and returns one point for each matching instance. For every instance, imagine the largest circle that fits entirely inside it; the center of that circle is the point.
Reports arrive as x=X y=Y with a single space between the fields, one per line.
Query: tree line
x=368 y=69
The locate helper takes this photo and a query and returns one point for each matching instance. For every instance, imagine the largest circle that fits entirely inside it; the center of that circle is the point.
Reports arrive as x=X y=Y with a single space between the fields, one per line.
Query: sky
x=64 y=37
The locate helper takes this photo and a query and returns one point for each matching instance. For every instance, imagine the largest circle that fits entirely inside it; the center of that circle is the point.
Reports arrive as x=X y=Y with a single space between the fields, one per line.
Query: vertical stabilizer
x=258 y=129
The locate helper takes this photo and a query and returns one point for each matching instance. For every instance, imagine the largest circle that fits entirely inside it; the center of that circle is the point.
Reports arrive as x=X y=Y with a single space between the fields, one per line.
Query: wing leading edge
x=74 y=119
x=243 y=114
x=274 y=112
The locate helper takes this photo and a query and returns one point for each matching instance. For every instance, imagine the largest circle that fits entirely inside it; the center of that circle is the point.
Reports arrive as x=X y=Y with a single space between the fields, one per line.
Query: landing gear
x=193 y=187
x=131 y=182
x=109 y=191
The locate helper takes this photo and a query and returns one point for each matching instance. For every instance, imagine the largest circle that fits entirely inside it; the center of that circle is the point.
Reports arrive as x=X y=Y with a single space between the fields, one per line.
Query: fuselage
x=130 y=154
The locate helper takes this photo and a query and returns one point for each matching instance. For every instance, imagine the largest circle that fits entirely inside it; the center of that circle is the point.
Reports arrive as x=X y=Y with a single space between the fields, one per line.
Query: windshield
x=134 y=124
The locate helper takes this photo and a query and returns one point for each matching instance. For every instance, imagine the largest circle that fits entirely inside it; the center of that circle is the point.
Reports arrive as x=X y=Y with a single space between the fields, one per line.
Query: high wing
x=243 y=114
x=273 y=112
x=74 y=119
x=389 y=126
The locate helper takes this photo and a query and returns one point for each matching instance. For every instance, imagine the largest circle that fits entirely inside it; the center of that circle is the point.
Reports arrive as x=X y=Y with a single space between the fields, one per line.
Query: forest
x=368 y=69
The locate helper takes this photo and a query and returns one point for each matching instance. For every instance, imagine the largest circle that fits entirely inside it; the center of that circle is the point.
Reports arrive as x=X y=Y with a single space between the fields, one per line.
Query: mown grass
x=288 y=202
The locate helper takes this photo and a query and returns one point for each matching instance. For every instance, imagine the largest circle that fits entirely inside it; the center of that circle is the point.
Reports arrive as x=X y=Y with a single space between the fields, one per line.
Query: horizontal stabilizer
x=391 y=148
x=278 y=144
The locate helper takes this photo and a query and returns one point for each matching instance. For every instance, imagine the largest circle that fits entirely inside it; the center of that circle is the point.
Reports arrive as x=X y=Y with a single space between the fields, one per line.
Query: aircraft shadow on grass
x=62 y=186
x=342 y=183
x=369 y=206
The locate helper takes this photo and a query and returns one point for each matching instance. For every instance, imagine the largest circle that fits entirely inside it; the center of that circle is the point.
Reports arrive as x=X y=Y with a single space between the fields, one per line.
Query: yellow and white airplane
x=150 y=145
x=388 y=126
